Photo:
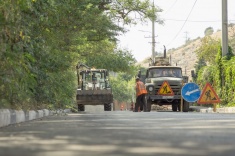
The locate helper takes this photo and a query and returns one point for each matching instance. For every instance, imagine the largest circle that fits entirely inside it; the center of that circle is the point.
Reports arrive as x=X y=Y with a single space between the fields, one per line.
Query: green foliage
x=208 y=31
x=221 y=75
x=231 y=36
x=104 y=56
x=199 y=64
x=42 y=41
x=205 y=75
x=123 y=89
x=229 y=81
x=229 y=54
x=208 y=49
x=129 y=10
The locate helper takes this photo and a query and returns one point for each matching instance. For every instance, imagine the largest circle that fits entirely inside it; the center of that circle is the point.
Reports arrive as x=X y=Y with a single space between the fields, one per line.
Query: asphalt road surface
x=122 y=133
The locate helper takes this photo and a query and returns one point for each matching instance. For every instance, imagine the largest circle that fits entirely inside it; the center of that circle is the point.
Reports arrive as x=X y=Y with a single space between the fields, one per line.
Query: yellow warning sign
x=165 y=89
x=208 y=95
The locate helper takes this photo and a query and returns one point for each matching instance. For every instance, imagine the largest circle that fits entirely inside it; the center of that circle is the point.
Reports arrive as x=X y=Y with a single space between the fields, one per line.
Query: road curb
x=9 y=116
x=5 y=117
x=202 y=109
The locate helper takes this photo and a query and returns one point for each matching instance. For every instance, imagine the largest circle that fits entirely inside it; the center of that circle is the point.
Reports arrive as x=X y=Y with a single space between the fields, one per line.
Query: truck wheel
x=81 y=107
x=107 y=107
x=149 y=104
x=179 y=107
x=185 y=106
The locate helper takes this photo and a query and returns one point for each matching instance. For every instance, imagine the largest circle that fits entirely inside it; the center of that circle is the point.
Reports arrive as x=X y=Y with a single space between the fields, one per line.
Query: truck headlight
x=150 y=88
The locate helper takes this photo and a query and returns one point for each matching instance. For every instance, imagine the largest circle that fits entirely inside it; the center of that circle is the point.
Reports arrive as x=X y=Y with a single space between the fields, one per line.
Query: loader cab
x=91 y=79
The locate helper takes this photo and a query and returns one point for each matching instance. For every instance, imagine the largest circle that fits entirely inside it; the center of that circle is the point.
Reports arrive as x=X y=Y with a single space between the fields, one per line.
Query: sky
x=183 y=19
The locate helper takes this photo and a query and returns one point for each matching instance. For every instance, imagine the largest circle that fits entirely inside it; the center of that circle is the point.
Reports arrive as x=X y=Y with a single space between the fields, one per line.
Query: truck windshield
x=164 y=72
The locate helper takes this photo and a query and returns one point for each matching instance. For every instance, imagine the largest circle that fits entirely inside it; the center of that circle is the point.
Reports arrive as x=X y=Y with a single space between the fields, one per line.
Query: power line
x=170 y=8
x=183 y=24
x=179 y=20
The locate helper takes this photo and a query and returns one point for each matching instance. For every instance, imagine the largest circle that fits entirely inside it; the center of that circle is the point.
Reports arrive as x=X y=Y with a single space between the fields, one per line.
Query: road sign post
x=181 y=100
x=190 y=92
x=209 y=96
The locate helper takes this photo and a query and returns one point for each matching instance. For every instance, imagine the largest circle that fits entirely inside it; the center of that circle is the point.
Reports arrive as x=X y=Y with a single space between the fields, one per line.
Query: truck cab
x=164 y=83
x=156 y=76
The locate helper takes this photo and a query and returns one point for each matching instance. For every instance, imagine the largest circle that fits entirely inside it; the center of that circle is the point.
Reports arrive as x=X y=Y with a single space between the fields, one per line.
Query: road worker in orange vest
x=140 y=95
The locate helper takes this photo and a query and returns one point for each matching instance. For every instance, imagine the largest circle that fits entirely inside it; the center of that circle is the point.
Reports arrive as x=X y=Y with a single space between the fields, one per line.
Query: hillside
x=185 y=56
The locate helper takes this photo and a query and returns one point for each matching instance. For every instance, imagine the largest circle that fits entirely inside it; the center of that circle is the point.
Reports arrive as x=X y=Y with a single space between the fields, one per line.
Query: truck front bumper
x=163 y=97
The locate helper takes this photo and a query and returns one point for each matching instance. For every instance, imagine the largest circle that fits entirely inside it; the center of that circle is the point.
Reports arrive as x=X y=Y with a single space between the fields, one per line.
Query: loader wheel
x=107 y=107
x=81 y=107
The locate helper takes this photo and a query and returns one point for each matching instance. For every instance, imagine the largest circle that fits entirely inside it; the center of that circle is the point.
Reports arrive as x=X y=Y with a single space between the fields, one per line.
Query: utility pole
x=224 y=34
x=224 y=28
x=153 y=37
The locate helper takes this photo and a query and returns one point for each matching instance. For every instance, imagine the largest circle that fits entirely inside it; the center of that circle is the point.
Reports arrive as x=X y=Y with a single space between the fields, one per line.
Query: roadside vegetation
x=217 y=70
x=42 y=41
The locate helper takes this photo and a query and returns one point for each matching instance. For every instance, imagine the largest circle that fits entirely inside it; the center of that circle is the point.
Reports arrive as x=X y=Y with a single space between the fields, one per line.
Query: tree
x=117 y=60
x=199 y=65
x=123 y=90
x=42 y=41
x=208 y=49
x=129 y=11
x=231 y=37
x=221 y=75
x=208 y=31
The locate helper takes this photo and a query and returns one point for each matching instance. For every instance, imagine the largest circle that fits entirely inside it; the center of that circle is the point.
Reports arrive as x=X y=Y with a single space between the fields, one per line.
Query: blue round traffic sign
x=190 y=92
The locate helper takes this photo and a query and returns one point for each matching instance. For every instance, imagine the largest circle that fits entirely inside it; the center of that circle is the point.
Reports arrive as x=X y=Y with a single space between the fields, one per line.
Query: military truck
x=163 y=83
x=93 y=87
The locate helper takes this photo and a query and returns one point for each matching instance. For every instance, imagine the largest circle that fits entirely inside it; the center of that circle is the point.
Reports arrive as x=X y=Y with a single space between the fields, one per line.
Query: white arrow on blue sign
x=190 y=92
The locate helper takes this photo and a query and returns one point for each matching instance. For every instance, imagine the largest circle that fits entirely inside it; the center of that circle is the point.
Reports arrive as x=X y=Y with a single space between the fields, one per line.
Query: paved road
x=122 y=133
